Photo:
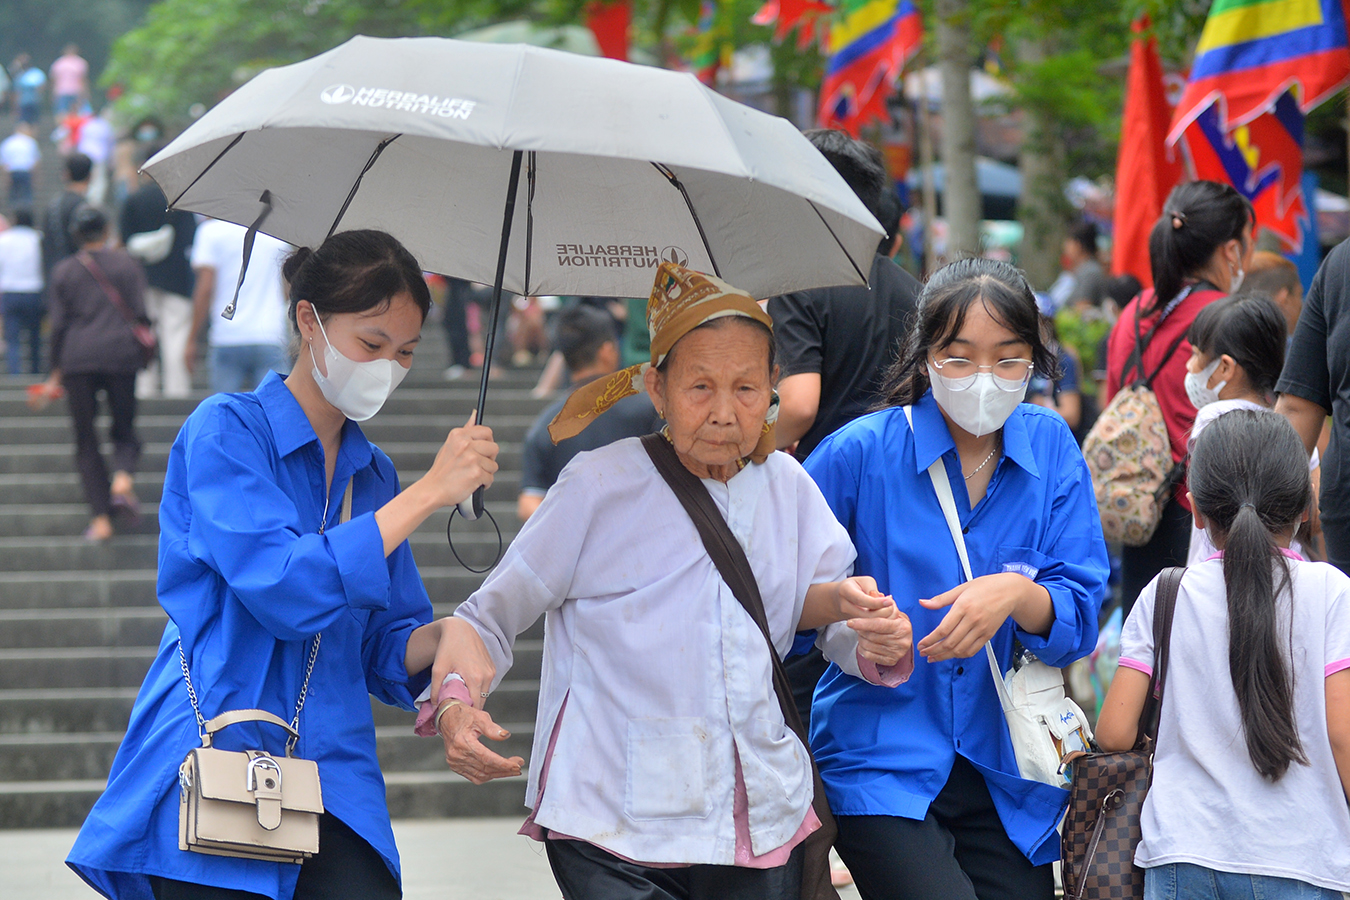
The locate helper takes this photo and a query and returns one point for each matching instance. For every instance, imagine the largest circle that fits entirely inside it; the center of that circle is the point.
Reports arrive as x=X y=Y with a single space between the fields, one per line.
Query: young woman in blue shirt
x=255 y=567
x=923 y=778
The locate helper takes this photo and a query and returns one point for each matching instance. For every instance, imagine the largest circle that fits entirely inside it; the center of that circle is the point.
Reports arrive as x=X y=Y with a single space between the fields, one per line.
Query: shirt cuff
x=452 y=688
x=886 y=676
x=1127 y=663
x=1339 y=665
x=358 y=548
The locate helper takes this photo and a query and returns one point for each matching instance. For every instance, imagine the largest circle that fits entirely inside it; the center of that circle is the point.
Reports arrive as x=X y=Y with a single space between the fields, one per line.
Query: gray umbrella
x=617 y=166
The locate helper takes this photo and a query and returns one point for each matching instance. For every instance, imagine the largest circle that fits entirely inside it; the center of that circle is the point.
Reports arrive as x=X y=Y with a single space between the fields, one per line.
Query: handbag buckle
x=264 y=782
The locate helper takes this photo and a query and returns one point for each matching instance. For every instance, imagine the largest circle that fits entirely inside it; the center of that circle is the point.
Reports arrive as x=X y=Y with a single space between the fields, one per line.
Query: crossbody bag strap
x=1164 y=609
x=727 y=555
x=937 y=473
x=204 y=728
x=92 y=267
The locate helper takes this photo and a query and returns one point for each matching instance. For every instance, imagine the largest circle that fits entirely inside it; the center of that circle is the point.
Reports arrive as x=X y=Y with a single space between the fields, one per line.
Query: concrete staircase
x=79 y=624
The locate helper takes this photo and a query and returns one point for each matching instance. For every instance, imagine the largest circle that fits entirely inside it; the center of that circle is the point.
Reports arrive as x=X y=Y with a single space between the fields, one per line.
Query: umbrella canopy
x=620 y=167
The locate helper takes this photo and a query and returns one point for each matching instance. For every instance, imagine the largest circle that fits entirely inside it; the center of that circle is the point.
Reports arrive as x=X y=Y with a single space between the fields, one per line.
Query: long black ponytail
x=1197 y=219
x=1249 y=478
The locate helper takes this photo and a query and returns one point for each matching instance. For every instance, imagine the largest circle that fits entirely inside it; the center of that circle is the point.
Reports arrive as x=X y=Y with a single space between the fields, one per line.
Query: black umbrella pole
x=473 y=509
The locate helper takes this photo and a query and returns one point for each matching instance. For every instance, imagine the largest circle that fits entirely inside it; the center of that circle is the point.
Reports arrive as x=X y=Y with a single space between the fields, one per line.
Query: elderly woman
x=662 y=763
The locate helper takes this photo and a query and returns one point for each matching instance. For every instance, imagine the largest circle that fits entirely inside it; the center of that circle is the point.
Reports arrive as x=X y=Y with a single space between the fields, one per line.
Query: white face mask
x=358 y=390
x=1197 y=386
x=981 y=408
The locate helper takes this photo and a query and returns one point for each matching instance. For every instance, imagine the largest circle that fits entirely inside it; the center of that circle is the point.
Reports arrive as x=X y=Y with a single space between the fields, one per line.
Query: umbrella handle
x=471 y=507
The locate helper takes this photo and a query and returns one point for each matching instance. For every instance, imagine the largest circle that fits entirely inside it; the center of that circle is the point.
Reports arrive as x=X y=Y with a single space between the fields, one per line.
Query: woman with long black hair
x=1252 y=766
x=922 y=777
x=1199 y=251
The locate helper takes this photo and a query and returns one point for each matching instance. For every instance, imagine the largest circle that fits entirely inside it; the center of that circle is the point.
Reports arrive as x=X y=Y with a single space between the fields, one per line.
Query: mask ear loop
x=249 y=236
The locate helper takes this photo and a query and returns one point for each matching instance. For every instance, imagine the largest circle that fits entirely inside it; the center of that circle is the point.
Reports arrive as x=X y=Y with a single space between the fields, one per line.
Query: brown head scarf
x=681 y=300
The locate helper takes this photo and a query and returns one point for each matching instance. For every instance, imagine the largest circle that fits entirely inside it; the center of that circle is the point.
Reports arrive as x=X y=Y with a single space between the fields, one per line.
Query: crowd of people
x=698 y=704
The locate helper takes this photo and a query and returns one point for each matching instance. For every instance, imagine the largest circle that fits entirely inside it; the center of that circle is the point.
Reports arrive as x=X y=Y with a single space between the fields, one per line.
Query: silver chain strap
x=309 y=667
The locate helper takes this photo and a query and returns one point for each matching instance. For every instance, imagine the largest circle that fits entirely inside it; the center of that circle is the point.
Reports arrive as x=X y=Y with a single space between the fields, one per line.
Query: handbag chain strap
x=313 y=652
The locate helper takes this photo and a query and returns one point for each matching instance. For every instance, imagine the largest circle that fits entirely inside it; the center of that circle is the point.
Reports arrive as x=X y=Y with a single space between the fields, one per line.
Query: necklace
x=983 y=464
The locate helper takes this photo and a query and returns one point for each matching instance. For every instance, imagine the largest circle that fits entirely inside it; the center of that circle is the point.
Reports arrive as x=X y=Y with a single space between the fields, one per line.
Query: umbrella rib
x=529 y=223
x=351 y=195
x=679 y=186
x=838 y=242
x=239 y=137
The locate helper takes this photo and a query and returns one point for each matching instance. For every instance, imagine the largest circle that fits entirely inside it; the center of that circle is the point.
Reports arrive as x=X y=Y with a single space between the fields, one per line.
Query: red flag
x=609 y=21
x=1146 y=170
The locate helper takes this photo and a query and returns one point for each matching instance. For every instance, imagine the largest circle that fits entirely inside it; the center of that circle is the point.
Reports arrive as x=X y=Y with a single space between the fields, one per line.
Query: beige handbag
x=248 y=803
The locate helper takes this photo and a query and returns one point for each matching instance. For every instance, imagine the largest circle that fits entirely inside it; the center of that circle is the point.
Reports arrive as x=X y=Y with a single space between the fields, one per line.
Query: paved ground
x=443 y=859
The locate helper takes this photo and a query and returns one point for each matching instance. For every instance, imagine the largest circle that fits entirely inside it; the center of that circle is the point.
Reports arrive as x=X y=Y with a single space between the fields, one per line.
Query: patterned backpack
x=1128 y=452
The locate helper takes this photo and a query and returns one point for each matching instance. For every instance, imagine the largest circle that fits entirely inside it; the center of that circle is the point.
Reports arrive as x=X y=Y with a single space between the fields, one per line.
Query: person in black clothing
x=585 y=336
x=168 y=272
x=57 y=243
x=835 y=343
x=94 y=350
x=834 y=346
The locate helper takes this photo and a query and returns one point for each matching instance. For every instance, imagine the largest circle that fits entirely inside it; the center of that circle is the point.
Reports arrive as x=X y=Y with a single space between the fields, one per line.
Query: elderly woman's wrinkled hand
x=885 y=636
x=462 y=728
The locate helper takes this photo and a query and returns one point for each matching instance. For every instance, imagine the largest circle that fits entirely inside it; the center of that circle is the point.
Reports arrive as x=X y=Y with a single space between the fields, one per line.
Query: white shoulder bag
x=1044 y=724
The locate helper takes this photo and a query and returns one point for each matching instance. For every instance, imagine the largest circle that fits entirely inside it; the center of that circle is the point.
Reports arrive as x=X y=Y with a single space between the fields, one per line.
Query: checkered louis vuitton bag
x=1106 y=796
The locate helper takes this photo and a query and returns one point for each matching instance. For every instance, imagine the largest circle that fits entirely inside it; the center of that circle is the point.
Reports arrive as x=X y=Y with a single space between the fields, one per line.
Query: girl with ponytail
x=1252 y=765
x=1200 y=249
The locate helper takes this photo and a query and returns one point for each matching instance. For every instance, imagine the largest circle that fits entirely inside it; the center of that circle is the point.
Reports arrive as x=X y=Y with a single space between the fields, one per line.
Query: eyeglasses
x=959 y=374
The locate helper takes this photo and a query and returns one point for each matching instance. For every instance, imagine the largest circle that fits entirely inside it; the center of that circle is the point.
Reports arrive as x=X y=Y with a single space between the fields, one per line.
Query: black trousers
x=1169 y=546
x=959 y=851
x=585 y=872
x=345 y=868
x=82 y=390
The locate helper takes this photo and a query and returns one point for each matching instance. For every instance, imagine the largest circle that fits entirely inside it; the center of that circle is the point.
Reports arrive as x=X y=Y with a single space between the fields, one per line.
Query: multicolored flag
x=1252 y=51
x=710 y=50
x=786 y=15
x=1259 y=67
x=1263 y=159
x=867 y=48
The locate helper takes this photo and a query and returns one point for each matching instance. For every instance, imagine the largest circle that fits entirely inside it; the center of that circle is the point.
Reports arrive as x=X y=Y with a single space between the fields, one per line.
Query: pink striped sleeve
x=1135 y=664
x=1339 y=665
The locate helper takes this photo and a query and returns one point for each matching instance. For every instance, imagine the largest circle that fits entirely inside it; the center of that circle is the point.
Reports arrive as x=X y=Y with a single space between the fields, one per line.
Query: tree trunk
x=1041 y=206
x=961 y=195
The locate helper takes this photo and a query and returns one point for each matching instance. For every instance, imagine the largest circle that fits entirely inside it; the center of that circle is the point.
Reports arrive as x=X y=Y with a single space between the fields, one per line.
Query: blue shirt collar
x=291 y=429
x=932 y=438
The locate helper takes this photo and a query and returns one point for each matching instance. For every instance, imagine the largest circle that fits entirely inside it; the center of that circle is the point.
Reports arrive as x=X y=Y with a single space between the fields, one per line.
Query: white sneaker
x=454 y=373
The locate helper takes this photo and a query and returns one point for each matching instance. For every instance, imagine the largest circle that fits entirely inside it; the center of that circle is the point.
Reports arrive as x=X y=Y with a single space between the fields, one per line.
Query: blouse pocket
x=666 y=769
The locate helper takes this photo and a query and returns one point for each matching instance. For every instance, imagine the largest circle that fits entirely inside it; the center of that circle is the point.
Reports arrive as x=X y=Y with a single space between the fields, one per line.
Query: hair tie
x=1178 y=219
x=1248 y=505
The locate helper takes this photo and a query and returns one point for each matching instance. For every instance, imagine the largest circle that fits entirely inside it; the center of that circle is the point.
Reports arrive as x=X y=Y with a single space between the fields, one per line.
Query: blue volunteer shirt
x=247 y=581
x=889 y=751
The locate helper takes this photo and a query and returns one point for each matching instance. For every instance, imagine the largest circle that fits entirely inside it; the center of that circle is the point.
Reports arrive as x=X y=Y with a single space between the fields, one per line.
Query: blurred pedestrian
x=1276 y=276
x=1237 y=352
x=1252 y=764
x=19 y=156
x=28 y=84
x=21 y=286
x=57 y=242
x=97 y=140
x=1063 y=394
x=245 y=348
x=70 y=81
x=1199 y=251
x=458 y=295
x=161 y=240
x=1082 y=280
x=590 y=348
x=834 y=347
x=94 y=351
x=1315 y=384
